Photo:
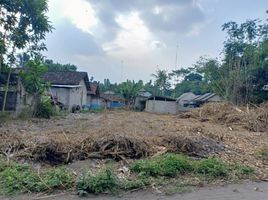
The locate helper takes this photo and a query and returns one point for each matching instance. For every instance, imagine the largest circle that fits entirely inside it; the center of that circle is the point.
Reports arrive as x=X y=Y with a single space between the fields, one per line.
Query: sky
x=131 y=39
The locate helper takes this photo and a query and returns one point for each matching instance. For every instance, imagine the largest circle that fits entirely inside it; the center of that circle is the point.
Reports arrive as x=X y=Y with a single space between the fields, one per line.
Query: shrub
x=45 y=109
x=211 y=167
x=164 y=165
x=18 y=178
x=243 y=170
x=103 y=181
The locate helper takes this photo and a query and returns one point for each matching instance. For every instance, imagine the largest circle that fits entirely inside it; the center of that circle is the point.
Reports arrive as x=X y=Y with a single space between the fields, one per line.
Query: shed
x=184 y=101
x=113 y=100
x=69 y=87
x=161 y=104
x=205 y=98
x=140 y=99
x=94 y=101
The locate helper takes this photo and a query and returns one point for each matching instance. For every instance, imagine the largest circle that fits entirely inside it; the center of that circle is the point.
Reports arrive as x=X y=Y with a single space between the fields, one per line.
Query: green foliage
x=164 y=165
x=4 y=116
x=129 y=89
x=25 y=24
x=45 y=109
x=162 y=81
x=212 y=167
x=244 y=170
x=58 y=178
x=21 y=178
x=59 y=67
x=103 y=181
x=26 y=113
x=31 y=77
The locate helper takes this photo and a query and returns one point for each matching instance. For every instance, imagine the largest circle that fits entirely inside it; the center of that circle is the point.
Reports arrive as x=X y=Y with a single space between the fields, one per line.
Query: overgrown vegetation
x=104 y=181
x=165 y=165
x=162 y=170
x=4 y=117
x=21 y=178
x=211 y=167
x=45 y=109
x=172 y=165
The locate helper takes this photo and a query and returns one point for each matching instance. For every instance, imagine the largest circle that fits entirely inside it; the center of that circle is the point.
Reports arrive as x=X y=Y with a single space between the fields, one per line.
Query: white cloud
x=133 y=40
x=79 y=12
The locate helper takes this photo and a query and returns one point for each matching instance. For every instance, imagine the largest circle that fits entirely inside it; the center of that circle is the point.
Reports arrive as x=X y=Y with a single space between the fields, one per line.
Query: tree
x=59 y=67
x=162 y=81
x=241 y=57
x=129 y=89
x=32 y=81
x=23 y=26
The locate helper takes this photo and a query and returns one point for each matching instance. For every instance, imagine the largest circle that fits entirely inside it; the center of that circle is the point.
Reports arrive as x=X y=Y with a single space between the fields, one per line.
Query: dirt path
x=245 y=191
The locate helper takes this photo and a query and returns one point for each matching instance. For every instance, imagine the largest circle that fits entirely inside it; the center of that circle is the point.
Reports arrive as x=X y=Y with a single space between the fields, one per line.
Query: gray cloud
x=68 y=40
x=174 y=16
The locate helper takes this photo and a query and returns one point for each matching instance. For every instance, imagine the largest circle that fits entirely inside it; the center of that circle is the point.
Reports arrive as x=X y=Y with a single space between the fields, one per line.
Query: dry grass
x=121 y=135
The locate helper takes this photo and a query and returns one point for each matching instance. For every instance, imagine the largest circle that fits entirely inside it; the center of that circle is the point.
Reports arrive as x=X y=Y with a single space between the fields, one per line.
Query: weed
x=4 y=116
x=212 y=168
x=25 y=114
x=242 y=171
x=45 y=109
x=58 y=178
x=263 y=153
x=103 y=181
x=21 y=178
x=164 y=165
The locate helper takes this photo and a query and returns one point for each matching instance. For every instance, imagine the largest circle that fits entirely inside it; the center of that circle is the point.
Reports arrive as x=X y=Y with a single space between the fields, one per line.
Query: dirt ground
x=245 y=191
x=122 y=135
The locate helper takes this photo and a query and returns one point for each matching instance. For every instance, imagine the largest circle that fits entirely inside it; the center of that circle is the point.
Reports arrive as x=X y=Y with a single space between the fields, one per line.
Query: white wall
x=62 y=94
x=168 y=107
x=71 y=96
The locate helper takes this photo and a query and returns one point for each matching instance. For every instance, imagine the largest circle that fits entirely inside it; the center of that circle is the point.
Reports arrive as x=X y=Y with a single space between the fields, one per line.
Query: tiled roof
x=66 y=78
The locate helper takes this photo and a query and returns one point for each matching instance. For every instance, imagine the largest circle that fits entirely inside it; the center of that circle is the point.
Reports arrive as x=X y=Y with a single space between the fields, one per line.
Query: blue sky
x=120 y=39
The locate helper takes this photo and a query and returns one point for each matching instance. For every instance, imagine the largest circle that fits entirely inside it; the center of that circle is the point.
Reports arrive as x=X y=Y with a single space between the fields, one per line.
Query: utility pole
x=121 y=75
x=176 y=60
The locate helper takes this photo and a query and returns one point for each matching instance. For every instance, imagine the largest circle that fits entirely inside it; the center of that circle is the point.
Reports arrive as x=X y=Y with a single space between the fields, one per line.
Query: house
x=113 y=100
x=205 y=98
x=189 y=100
x=17 y=97
x=94 y=101
x=68 y=87
x=140 y=99
x=161 y=104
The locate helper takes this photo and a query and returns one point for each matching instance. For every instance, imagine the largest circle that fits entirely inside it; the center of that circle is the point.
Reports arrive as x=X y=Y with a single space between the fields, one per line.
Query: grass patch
x=21 y=178
x=4 y=116
x=212 y=168
x=164 y=165
x=104 y=181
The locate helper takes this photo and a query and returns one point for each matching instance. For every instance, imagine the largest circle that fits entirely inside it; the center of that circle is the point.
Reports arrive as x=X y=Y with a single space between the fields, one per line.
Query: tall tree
x=23 y=26
x=162 y=81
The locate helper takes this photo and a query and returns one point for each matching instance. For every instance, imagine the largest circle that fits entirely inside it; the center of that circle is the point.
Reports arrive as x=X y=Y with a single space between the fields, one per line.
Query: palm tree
x=162 y=81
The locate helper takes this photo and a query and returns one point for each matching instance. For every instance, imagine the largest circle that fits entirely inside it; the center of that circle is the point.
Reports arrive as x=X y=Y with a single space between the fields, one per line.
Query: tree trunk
x=6 y=91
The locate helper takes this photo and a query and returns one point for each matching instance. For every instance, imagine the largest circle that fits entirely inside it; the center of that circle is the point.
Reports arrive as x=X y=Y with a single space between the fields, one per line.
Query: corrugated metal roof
x=204 y=97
